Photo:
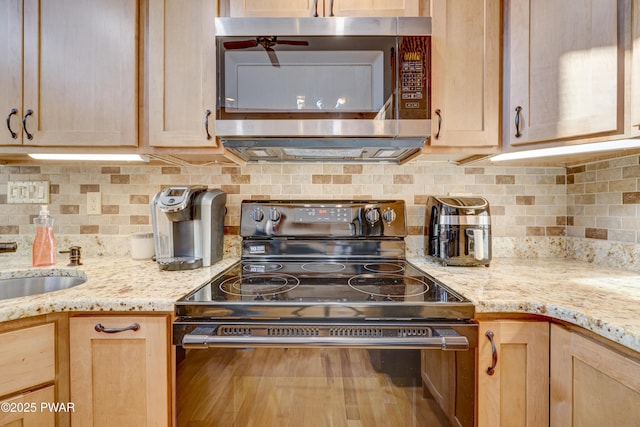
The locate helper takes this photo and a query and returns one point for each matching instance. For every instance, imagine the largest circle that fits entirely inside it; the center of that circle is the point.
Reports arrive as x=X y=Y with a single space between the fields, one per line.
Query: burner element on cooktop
x=388 y=286
x=384 y=267
x=258 y=284
x=323 y=267
x=261 y=267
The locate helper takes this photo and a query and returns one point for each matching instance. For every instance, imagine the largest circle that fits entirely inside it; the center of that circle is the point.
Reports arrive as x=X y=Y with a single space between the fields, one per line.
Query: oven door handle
x=447 y=343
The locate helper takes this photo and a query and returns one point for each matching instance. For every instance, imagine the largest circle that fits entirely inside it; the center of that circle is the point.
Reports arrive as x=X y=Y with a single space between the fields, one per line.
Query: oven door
x=325 y=374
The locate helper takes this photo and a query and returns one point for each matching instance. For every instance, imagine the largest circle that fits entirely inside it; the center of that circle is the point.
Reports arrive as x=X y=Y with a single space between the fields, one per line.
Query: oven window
x=303 y=387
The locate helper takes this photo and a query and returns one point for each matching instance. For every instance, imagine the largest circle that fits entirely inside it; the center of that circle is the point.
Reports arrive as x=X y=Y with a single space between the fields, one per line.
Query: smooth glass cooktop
x=390 y=281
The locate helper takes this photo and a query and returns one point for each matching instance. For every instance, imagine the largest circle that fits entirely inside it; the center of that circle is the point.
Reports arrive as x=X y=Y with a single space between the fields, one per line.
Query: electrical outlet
x=28 y=192
x=94 y=203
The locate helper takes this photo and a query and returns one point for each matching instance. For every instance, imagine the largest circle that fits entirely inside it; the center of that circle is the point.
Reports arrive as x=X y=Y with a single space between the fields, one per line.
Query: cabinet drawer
x=27 y=358
x=25 y=410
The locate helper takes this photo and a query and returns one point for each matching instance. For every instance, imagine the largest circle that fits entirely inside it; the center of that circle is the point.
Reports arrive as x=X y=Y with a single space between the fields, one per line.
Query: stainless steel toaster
x=458 y=230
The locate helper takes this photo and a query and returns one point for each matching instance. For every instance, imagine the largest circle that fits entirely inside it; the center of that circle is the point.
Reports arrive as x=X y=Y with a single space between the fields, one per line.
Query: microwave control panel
x=413 y=69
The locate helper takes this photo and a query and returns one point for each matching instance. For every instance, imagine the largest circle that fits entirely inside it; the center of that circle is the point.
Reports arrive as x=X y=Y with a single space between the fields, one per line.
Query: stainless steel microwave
x=306 y=88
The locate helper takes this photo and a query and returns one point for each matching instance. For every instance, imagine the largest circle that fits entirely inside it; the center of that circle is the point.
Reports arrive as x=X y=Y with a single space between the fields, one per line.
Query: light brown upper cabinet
x=11 y=71
x=565 y=69
x=70 y=69
x=465 y=72
x=302 y=8
x=182 y=73
x=635 y=68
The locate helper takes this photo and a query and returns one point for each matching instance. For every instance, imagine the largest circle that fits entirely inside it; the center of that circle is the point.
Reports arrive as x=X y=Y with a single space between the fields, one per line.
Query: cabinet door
x=119 y=378
x=302 y=8
x=25 y=410
x=372 y=7
x=517 y=393
x=11 y=71
x=565 y=81
x=591 y=385
x=80 y=72
x=274 y=8
x=465 y=72
x=182 y=73
x=635 y=68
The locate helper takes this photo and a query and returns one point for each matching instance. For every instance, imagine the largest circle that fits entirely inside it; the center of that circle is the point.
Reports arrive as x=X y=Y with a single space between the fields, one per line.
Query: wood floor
x=298 y=387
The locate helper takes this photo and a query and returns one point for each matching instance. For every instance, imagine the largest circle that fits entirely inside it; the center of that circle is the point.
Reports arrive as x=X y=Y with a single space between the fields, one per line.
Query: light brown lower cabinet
x=25 y=410
x=513 y=373
x=34 y=372
x=120 y=371
x=591 y=383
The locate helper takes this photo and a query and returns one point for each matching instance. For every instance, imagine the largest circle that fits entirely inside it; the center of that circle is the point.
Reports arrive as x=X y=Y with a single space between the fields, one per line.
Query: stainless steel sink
x=23 y=286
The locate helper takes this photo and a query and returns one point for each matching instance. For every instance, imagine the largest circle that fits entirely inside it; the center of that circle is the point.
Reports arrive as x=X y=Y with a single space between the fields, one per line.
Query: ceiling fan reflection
x=267 y=42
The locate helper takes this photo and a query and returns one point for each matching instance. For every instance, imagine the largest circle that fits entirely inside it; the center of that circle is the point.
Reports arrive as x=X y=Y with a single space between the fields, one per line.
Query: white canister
x=142 y=247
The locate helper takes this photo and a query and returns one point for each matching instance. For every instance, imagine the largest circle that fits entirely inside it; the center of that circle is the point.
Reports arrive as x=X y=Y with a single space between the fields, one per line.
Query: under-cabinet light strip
x=620 y=144
x=91 y=157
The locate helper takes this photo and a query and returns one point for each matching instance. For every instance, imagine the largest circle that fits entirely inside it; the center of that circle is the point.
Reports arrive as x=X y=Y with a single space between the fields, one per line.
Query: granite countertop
x=600 y=299
x=113 y=284
x=603 y=300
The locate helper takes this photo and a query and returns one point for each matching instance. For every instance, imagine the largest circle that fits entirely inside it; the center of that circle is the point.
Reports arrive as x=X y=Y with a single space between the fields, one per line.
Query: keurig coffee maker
x=188 y=226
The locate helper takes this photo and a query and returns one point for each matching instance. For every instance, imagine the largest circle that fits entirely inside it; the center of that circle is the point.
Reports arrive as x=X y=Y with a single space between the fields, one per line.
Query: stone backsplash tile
x=604 y=200
x=529 y=201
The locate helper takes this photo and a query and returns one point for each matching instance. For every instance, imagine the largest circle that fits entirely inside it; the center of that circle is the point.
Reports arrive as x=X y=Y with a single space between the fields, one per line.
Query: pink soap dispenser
x=44 y=244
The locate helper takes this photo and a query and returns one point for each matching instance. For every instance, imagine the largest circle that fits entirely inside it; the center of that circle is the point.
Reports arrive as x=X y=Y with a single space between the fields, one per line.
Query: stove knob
x=371 y=298
x=274 y=215
x=258 y=298
x=372 y=215
x=257 y=215
x=389 y=215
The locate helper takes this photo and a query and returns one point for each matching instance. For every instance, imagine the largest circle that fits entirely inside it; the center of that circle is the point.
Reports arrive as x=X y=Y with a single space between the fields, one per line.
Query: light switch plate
x=28 y=192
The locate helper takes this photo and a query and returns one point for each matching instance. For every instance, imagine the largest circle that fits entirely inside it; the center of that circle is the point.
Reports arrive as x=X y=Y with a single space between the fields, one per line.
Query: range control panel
x=324 y=219
x=317 y=214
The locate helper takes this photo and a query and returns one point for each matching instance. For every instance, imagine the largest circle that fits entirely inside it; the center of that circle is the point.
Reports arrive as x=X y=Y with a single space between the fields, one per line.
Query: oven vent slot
x=414 y=332
x=235 y=330
x=293 y=332
x=356 y=332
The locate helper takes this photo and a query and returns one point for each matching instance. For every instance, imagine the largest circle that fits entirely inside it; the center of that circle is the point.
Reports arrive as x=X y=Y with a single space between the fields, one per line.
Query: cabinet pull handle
x=132 y=327
x=494 y=354
x=439 y=114
x=24 y=123
x=207 y=113
x=315 y=8
x=518 y=112
x=11 y=113
x=331 y=8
